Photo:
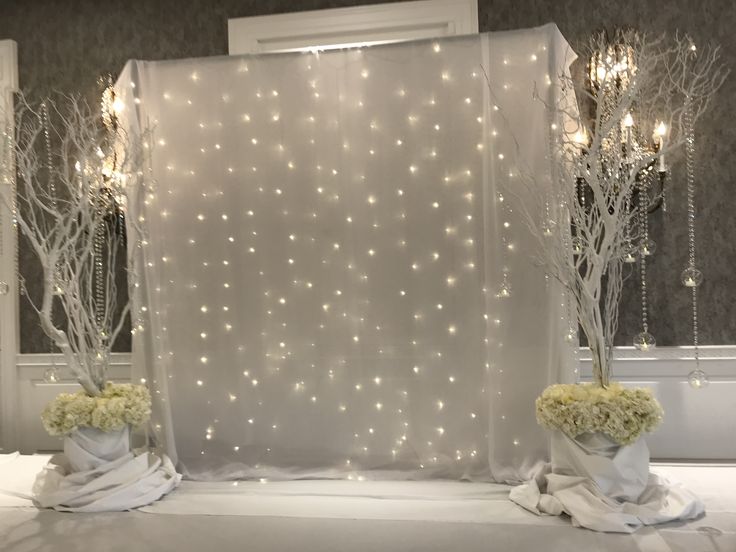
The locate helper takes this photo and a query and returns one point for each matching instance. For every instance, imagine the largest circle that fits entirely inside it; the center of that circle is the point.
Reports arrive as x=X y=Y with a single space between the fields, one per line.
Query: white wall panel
x=699 y=424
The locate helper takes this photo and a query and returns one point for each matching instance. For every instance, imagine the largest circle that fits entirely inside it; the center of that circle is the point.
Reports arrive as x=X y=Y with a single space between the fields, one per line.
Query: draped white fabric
x=327 y=236
x=605 y=487
x=99 y=473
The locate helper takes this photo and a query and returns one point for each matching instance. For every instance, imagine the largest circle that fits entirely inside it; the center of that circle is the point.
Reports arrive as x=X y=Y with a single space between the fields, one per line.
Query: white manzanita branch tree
x=71 y=170
x=603 y=159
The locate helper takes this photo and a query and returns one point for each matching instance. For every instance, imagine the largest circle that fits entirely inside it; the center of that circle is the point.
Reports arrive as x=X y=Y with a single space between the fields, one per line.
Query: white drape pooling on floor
x=99 y=473
x=605 y=486
x=326 y=238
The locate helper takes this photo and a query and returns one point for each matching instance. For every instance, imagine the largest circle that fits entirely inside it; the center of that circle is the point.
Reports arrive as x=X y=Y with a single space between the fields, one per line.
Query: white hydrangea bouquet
x=119 y=405
x=596 y=434
x=622 y=414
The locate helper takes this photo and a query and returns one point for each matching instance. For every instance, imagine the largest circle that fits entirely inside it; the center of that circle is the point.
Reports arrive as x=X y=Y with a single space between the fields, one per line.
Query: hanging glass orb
x=571 y=336
x=504 y=291
x=101 y=362
x=4 y=288
x=51 y=375
x=577 y=246
x=548 y=228
x=644 y=341
x=630 y=252
x=647 y=247
x=698 y=379
x=691 y=277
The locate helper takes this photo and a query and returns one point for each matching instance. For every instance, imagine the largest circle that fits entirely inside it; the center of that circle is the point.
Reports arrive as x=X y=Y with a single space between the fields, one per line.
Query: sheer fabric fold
x=327 y=235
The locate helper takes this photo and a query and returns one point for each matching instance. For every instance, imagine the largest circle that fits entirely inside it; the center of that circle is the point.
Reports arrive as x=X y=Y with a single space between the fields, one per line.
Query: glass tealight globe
x=647 y=247
x=644 y=341
x=630 y=252
x=51 y=375
x=691 y=277
x=505 y=290
x=4 y=288
x=697 y=379
x=548 y=227
x=577 y=245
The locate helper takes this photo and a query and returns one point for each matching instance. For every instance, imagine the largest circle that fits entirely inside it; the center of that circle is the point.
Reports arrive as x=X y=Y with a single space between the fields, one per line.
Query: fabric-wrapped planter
x=99 y=473
x=604 y=486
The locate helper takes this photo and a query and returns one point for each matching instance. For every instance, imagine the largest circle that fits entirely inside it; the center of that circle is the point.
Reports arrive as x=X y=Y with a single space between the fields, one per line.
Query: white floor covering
x=351 y=516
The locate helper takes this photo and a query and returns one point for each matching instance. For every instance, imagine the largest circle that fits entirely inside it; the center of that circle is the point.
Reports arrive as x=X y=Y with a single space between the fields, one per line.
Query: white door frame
x=9 y=335
x=354 y=26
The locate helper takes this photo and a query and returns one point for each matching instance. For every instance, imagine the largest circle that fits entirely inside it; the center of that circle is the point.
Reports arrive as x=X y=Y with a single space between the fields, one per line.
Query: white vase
x=620 y=472
x=88 y=448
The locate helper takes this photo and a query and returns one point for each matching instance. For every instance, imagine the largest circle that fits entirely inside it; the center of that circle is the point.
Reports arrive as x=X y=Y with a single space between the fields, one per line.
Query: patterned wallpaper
x=64 y=45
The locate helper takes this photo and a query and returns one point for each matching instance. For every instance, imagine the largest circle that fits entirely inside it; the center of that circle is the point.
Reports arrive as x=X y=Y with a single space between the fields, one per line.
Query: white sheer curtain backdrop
x=327 y=237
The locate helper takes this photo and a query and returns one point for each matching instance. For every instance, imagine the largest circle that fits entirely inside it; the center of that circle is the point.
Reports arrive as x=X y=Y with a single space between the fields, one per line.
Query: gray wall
x=64 y=45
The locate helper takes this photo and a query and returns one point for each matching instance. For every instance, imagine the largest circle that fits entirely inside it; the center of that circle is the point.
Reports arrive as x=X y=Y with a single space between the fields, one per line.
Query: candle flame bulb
x=601 y=73
x=581 y=137
x=659 y=133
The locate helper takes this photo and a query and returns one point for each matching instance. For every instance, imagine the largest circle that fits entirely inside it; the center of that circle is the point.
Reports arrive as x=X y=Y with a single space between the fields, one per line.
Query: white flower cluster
x=621 y=413
x=118 y=405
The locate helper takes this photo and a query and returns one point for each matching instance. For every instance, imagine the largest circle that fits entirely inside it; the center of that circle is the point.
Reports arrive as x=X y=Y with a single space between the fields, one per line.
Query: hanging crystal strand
x=629 y=249
x=51 y=374
x=505 y=288
x=99 y=275
x=576 y=243
x=14 y=207
x=663 y=181
x=105 y=215
x=50 y=175
x=7 y=179
x=99 y=246
x=548 y=224
x=4 y=286
x=644 y=340
x=692 y=277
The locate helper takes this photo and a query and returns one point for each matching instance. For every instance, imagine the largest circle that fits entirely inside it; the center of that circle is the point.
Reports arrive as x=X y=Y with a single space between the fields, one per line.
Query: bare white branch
x=606 y=147
x=71 y=174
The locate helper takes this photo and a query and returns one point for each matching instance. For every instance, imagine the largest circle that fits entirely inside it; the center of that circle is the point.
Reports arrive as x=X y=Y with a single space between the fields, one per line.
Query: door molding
x=9 y=334
x=354 y=26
